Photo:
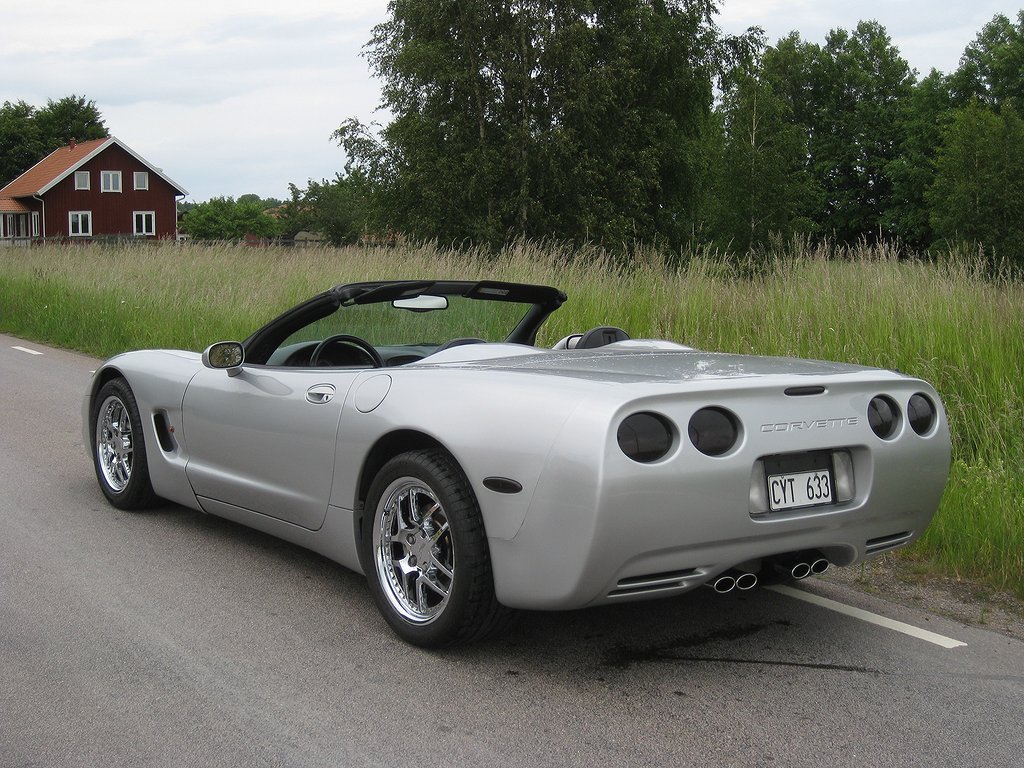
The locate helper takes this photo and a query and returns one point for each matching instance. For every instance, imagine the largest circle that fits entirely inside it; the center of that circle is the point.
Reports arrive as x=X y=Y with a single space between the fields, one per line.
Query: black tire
x=425 y=552
x=119 y=448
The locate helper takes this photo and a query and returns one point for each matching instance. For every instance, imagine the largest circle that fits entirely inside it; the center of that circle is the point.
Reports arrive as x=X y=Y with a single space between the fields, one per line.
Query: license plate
x=799 y=489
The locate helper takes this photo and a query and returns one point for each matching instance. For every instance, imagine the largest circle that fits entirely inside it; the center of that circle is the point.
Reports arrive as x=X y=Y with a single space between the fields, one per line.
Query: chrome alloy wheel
x=114 y=443
x=413 y=550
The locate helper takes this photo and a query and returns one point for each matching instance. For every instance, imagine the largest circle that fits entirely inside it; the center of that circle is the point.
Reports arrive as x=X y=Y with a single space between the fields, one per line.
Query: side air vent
x=163 y=432
x=654 y=582
x=882 y=543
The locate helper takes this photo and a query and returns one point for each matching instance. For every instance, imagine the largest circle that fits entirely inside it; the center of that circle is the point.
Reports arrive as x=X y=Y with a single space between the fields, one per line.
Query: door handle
x=320 y=394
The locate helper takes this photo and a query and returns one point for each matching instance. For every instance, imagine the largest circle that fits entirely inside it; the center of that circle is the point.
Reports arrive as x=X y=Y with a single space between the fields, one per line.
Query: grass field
x=950 y=322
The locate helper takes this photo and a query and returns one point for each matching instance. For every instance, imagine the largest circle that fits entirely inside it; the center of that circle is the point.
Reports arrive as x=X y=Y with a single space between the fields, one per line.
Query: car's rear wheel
x=119 y=448
x=425 y=552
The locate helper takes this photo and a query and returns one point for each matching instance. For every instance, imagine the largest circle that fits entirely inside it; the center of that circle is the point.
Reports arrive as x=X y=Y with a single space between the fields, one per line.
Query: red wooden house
x=87 y=190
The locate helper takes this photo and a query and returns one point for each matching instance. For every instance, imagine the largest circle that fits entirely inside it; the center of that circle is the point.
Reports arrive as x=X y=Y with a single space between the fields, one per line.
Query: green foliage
x=224 y=218
x=594 y=121
x=812 y=141
x=912 y=171
x=265 y=203
x=762 y=187
x=991 y=68
x=563 y=118
x=72 y=117
x=20 y=143
x=28 y=134
x=978 y=193
x=863 y=91
x=336 y=209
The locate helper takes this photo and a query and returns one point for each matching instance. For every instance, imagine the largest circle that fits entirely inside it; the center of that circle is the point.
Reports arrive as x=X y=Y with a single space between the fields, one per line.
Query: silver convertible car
x=412 y=431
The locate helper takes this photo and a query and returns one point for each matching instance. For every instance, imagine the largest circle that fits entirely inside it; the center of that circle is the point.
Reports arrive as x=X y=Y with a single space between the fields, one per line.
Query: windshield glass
x=385 y=325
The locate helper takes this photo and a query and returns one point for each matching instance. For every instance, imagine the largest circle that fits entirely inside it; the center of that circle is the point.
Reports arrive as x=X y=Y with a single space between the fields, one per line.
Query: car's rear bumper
x=606 y=529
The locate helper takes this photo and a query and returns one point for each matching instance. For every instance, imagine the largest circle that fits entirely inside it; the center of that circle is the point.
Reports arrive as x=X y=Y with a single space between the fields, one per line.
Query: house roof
x=61 y=163
x=9 y=205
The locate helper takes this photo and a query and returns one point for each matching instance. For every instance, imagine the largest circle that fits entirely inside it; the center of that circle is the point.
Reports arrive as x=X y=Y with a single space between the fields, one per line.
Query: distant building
x=87 y=190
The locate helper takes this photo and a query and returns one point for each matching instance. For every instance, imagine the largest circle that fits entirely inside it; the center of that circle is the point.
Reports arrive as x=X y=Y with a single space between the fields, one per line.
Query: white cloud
x=227 y=97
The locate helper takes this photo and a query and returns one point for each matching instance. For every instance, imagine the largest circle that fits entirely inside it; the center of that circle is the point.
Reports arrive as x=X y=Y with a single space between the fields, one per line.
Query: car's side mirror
x=225 y=355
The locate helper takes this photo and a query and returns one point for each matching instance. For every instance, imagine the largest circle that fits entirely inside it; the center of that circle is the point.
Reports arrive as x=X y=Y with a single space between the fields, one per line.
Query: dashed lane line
x=29 y=351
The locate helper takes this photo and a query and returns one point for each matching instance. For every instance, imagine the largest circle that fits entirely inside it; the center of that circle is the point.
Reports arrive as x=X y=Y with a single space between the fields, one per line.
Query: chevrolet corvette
x=413 y=431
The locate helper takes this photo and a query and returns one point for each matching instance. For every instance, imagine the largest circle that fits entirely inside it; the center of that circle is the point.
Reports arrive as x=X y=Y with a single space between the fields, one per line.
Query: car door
x=265 y=439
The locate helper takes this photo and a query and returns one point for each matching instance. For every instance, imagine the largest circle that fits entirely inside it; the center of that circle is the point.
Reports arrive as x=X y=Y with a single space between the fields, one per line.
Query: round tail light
x=883 y=416
x=713 y=431
x=921 y=414
x=645 y=437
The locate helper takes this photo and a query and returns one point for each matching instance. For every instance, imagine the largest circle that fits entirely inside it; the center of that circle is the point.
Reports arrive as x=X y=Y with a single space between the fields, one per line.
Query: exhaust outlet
x=797 y=569
x=820 y=566
x=745 y=581
x=733 y=579
x=723 y=584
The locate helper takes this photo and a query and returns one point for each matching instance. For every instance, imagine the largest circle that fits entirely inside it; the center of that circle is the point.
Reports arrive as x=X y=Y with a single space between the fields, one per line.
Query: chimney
x=73 y=144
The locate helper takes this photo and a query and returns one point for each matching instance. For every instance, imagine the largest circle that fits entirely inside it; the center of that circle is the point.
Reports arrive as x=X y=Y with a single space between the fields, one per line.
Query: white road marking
x=26 y=349
x=874 y=618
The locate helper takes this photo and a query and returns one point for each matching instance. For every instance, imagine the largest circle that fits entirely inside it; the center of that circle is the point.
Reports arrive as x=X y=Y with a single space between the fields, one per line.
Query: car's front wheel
x=119 y=447
x=425 y=552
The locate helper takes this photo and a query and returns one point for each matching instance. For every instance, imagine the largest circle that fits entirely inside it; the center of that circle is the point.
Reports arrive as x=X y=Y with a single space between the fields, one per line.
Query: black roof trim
x=484 y=290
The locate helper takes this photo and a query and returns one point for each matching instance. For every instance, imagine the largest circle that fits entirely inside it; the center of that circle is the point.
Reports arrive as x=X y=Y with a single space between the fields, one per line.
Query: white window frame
x=83 y=180
x=110 y=181
x=144 y=176
x=151 y=222
x=35 y=223
x=75 y=219
x=7 y=226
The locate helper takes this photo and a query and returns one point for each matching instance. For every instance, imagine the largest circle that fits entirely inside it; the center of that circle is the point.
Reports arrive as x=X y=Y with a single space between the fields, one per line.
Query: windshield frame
x=540 y=300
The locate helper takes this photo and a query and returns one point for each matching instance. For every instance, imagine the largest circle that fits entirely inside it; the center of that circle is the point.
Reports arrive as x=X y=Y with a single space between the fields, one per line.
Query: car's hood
x=661 y=366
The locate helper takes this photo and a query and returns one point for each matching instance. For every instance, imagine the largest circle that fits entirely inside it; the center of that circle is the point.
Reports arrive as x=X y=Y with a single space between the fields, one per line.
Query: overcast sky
x=232 y=97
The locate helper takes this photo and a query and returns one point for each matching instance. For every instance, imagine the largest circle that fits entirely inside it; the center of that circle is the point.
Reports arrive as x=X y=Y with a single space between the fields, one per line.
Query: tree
x=978 y=192
x=337 y=209
x=265 y=203
x=72 y=117
x=629 y=100
x=991 y=67
x=912 y=171
x=849 y=97
x=572 y=118
x=20 y=143
x=28 y=134
x=863 y=89
x=764 y=187
x=223 y=218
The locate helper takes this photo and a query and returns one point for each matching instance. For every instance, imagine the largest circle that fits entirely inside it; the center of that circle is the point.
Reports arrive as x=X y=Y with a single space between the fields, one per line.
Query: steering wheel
x=353 y=341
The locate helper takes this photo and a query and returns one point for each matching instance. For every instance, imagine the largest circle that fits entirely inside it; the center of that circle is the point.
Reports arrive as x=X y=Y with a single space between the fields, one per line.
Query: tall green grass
x=951 y=322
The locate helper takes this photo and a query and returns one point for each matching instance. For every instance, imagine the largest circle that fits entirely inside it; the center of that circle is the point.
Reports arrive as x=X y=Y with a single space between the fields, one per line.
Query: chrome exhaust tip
x=745 y=581
x=800 y=571
x=723 y=584
x=796 y=569
x=819 y=566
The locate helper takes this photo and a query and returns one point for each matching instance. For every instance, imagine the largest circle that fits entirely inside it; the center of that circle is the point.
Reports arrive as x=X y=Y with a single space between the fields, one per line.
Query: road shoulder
x=908 y=583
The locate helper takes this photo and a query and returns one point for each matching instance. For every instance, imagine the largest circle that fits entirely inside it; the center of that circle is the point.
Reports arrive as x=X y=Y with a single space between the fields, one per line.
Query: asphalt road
x=170 y=638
